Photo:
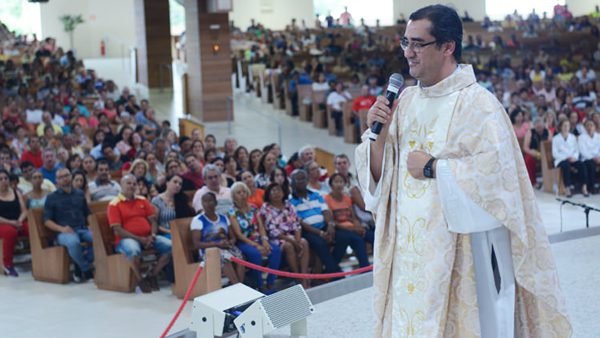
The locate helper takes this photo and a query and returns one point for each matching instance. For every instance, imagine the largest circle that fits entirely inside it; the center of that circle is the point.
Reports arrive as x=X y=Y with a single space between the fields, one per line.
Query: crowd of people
x=70 y=138
x=538 y=87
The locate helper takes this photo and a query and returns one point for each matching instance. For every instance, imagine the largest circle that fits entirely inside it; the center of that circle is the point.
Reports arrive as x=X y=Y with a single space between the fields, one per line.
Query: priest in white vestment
x=460 y=250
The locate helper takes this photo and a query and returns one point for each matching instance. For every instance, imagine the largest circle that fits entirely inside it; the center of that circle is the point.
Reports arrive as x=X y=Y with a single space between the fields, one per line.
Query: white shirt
x=563 y=149
x=589 y=147
x=34 y=116
x=335 y=99
x=318 y=86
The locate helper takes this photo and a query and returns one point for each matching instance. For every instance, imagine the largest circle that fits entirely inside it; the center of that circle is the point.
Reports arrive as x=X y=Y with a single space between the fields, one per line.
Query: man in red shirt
x=33 y=154
x=360 y=106
x=133 y=219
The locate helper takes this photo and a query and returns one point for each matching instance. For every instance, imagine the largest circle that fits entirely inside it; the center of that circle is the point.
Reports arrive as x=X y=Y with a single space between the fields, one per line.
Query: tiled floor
x=35 y=309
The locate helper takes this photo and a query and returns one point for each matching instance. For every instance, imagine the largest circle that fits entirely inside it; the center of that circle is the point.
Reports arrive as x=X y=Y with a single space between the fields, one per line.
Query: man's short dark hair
x=102 y=162
x=446 y=26
x=26 y=164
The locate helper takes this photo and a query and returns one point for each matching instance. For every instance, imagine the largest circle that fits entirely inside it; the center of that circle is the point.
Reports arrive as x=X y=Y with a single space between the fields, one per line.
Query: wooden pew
x=550 y=174
x=185 y=267
x=286 y=97
x=113 y=270
x=319 y=114
x=348 y=123
x=98 y=206
x=304 y=92
x=325 y=159
x=187 y=126
x=48 y=263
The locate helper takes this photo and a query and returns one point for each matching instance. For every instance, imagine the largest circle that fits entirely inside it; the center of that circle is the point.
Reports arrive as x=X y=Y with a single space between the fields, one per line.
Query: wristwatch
x=428 y=168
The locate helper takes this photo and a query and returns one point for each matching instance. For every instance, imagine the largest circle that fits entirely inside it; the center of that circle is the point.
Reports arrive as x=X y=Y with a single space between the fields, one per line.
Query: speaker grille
x=287 y=306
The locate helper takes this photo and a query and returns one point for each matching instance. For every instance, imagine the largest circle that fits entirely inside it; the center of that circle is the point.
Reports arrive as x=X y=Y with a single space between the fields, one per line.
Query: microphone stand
x=586 y=209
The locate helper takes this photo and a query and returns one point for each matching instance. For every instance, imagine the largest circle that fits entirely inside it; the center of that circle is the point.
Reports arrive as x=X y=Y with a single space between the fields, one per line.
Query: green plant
x=69 y=24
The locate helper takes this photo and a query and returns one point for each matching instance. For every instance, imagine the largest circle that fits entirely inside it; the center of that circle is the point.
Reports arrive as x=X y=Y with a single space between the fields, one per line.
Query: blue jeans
x=253 y=256
x=343 y=238
x=72 y=241
x=320 y=247
x=132 y=248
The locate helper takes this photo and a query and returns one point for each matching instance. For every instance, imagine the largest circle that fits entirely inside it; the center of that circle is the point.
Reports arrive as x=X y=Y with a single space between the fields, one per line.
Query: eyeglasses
x=415 y=46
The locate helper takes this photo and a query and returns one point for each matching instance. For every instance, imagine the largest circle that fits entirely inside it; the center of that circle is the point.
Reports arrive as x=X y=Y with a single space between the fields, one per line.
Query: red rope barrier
x=185 y=299
x=300 y=275
x=263 y=269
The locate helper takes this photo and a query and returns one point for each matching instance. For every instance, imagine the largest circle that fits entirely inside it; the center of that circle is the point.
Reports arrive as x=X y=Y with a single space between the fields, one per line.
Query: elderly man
x=133 y=220
x=212 y=178
x=103 y=188
x=66 y=212
x=307 y=155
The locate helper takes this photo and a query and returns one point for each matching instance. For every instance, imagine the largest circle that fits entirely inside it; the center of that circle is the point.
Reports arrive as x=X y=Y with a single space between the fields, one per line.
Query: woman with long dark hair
x=171 y=204
x=13 y=214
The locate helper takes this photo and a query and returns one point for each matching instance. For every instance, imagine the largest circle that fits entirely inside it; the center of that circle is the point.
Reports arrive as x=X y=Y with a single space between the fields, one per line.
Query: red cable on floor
x=301 y=275
x=185 y=299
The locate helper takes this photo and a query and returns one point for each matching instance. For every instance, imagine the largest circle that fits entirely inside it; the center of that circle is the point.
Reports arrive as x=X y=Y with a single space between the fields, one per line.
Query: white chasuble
x=423 y=276
x=423 y=243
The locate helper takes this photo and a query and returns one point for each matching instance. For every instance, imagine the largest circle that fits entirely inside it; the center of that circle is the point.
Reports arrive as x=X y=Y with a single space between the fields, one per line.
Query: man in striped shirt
x=316 y=219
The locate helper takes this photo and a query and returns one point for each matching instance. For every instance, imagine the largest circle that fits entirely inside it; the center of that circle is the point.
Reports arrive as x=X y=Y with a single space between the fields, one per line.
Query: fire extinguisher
x=102 y=48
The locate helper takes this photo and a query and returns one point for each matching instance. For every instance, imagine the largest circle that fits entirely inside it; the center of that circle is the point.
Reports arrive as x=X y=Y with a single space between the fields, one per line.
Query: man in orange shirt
x=133 y=219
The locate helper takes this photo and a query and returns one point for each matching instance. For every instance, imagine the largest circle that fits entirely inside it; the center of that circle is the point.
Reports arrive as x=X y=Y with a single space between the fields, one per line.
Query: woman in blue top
x=211 y=230
x=251 y=235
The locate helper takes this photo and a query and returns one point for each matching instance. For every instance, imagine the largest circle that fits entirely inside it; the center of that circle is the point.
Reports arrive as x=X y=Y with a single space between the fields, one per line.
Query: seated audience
x=532 y=147
x=346 y=222
x=251 y=235
x=171 y=204
x=103 y=188
x=13 y=222
x=66 y=212
x=80 y=182
x=589 y=148
x=316 y=220
x=566 y=156
x=36 y=197
x=26 y=179
x=284 y=229
x=133 y=219
x=256 y=194
x=268 y=161
x=211 y=230
x=314 y=175
x=212 y=175
x=280 y=176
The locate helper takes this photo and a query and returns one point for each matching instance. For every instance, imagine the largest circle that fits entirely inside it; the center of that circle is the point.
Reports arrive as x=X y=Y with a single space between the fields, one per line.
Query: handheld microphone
x=395 y=83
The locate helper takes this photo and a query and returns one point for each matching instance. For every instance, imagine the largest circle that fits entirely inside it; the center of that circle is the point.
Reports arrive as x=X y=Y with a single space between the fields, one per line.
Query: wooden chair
x=319 y=113
x=286 y=97
x=113 y=270
x=305 y=110
x=98 y=206
x=325 y=159
x=330 y=122
x=185 y=267
x=550 y=174
x=348 y=123
x=48 y=263
x=187 y=126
